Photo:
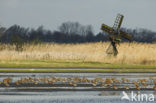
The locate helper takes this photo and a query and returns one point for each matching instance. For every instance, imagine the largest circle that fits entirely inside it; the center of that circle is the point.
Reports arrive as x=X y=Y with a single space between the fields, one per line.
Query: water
x=14 y=95
x=65 y=97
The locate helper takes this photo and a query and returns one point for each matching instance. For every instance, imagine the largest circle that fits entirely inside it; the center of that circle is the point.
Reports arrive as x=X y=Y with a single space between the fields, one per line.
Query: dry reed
x=129 y=53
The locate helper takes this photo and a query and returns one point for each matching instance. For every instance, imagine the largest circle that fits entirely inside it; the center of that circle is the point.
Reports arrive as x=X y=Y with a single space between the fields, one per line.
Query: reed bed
x=129 y=53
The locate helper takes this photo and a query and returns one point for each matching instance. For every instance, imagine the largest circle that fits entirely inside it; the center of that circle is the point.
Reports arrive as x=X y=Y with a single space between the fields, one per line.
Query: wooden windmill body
x=115 y=35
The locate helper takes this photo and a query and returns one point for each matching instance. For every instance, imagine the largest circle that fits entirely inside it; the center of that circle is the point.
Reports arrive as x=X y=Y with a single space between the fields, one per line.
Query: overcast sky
x=51 y=13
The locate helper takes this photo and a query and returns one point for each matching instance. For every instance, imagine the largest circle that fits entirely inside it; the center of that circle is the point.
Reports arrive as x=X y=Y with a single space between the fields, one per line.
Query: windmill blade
x=118 y=22
x=107 y=29
x=110 y=30
x=112 y=50
x=125 y=35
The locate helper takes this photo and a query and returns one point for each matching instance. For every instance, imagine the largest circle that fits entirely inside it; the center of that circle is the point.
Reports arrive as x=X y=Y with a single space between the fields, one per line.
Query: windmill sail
x=110 y=30
x=115 y=34
x=118 y=22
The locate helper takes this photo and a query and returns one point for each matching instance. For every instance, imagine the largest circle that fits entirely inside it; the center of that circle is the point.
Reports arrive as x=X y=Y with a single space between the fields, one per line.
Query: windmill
x=115 y=35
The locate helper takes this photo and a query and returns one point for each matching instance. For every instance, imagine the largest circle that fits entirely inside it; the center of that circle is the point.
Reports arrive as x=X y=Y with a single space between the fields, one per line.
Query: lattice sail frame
x=118 y=22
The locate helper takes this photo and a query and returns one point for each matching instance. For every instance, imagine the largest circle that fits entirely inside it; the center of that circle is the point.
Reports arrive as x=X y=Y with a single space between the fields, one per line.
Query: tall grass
x=129 y=53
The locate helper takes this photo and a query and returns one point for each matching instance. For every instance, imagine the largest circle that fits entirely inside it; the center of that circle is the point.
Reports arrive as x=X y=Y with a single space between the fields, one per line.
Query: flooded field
x=82 y=92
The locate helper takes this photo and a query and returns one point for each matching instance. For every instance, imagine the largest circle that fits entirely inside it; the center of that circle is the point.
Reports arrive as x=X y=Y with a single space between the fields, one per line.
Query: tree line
x=68 y=32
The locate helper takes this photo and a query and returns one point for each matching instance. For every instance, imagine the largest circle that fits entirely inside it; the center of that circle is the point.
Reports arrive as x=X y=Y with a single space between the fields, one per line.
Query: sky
x=52 y=13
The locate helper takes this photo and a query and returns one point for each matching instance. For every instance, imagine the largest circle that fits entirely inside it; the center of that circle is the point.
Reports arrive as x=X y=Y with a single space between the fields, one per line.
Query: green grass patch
x=69 y=64
x=79 y=71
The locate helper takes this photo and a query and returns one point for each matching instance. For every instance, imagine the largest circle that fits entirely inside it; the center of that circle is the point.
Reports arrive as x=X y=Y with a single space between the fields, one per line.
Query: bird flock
x=76 y=81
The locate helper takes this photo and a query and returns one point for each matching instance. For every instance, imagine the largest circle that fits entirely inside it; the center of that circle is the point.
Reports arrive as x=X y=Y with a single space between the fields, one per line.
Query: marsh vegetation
x=94 y=53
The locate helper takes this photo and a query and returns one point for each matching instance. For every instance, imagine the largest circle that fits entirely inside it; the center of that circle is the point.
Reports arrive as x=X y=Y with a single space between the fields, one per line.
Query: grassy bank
x=69 y=64
x=76 y=71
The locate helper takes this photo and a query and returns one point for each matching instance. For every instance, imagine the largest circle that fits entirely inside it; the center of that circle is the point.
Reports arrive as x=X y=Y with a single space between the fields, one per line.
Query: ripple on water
x=65 y=97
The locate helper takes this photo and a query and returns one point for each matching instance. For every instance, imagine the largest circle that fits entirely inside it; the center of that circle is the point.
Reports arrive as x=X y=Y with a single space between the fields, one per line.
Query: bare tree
x=74 y=28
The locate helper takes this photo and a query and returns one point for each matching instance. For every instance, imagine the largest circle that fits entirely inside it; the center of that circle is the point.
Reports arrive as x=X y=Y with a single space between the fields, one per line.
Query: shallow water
x=10 y=95
x=65 y=97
